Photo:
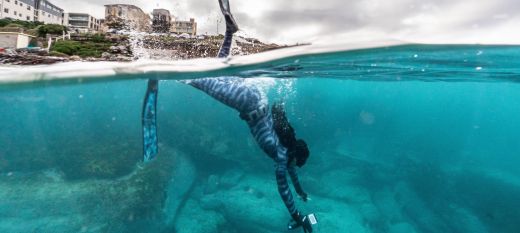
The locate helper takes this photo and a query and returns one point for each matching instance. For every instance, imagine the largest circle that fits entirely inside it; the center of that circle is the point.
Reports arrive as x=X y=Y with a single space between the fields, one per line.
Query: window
x=28 y=18
x=6 y=10
x=15 y=13
x=28 y=7
x=16 y=2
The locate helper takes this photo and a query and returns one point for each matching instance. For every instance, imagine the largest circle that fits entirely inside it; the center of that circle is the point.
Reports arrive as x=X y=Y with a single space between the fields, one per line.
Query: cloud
x=291 y=21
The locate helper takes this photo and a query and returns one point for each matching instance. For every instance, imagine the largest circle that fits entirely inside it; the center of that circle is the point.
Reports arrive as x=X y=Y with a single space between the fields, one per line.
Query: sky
x=302 y=21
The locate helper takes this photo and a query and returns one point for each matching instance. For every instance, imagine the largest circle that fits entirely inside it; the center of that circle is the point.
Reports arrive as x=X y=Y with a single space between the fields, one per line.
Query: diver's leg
x=231 y=28
x=231 y=91
x=149 y=120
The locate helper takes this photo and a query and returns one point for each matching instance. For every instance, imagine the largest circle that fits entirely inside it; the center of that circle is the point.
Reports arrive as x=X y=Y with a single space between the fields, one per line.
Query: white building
x=47 y=12
x=81 y=23
x=189 y=27
x=15 y=40
x=18 y=9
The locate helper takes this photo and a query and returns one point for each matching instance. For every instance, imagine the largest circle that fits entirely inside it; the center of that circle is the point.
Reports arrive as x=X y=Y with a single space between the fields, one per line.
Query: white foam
x=96 y=70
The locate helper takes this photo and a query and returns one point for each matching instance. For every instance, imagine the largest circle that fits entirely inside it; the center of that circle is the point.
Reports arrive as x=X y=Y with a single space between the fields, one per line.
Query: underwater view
x=402 y=139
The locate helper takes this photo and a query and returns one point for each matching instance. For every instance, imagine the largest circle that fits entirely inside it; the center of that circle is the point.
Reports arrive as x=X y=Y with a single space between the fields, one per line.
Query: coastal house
x=15 y=38
x=81 y=23
x=124 y=16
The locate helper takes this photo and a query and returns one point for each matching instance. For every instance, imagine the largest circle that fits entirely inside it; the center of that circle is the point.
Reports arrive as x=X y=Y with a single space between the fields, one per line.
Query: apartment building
x=47 y=12
x=31 y=10
x=18 y=9
x=81 y=23
x=162 y=20
x=189 y=27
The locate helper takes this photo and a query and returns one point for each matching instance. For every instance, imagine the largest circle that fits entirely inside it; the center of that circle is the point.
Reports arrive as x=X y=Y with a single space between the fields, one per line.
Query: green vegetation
x=82 y=49
x=14 y=25
x=99 y=38
x=54 y=29
x=34 y=28
x=23 y=24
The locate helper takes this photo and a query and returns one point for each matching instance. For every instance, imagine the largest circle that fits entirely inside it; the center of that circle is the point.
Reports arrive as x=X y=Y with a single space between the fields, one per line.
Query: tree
x=53 y=29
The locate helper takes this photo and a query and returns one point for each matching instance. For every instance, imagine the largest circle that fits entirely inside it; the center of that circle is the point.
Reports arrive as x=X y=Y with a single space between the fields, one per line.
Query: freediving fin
x=149 y=121
x=231 y=24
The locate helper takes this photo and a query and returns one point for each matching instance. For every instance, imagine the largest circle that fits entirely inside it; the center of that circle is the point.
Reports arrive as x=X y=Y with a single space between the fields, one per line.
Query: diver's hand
x=307 y=226
x=304 y=196
x=293 y=225
x=295 y=222
x=300 y=221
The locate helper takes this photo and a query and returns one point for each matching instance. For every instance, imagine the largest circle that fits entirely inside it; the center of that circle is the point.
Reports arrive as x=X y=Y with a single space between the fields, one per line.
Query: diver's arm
x=296 y=182
x=285 y=191
x=149 y=120
x=283 y=187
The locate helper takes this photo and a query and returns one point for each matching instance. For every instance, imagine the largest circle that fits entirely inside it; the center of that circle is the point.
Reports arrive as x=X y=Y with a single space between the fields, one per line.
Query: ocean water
x=403 y=139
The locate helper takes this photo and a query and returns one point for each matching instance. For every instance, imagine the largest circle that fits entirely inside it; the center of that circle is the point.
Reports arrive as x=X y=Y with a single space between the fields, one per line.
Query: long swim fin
x=149 y=121
x=231 y=25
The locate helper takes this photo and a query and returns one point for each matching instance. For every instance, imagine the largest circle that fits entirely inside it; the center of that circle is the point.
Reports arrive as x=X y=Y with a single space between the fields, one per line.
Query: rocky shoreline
x=149 y=47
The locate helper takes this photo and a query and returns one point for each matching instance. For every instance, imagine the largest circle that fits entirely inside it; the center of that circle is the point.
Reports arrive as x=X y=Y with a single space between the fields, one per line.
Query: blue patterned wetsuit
x=247 y=99
x=235 y=93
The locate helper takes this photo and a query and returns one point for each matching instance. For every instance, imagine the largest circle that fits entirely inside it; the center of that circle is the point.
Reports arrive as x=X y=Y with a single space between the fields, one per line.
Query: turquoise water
x=414 y=138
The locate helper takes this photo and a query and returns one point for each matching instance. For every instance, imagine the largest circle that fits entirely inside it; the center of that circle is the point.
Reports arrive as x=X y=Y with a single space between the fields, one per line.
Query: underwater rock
x=47 y=202
x=179 y=184
x=348 y=191
x=226 y=181
x=402 y=227
x=254 y=205
x=416 y=210
x=212 y=184
x=231 y=178
x=335 y=216
x=467 y=221
x=387 y=206
x=370 y=213
x=195 y=219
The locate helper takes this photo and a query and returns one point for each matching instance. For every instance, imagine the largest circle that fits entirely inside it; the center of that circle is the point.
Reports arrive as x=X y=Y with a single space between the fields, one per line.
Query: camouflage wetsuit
x=247 y=100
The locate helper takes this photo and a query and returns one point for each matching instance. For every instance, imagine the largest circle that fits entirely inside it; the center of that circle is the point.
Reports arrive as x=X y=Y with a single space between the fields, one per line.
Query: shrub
x=4 y=22
x=67 y=47
x=98 y=38
x=82 y=49
x=24 y=24
x=13 y=25
x=54 y=29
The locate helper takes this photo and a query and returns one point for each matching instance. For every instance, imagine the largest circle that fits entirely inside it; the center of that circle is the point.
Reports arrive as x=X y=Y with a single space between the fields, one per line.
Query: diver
x=271 y=129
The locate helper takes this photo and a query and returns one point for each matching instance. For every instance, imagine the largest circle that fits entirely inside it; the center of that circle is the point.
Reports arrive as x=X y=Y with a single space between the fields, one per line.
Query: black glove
x=300 y=221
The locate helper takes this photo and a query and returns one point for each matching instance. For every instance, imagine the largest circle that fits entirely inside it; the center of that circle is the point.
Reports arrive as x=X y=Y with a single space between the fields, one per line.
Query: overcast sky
x=291 y=21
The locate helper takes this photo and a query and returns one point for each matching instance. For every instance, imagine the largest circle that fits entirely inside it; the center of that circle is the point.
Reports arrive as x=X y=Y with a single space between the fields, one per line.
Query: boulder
x=144 y=201
x=195 y=219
